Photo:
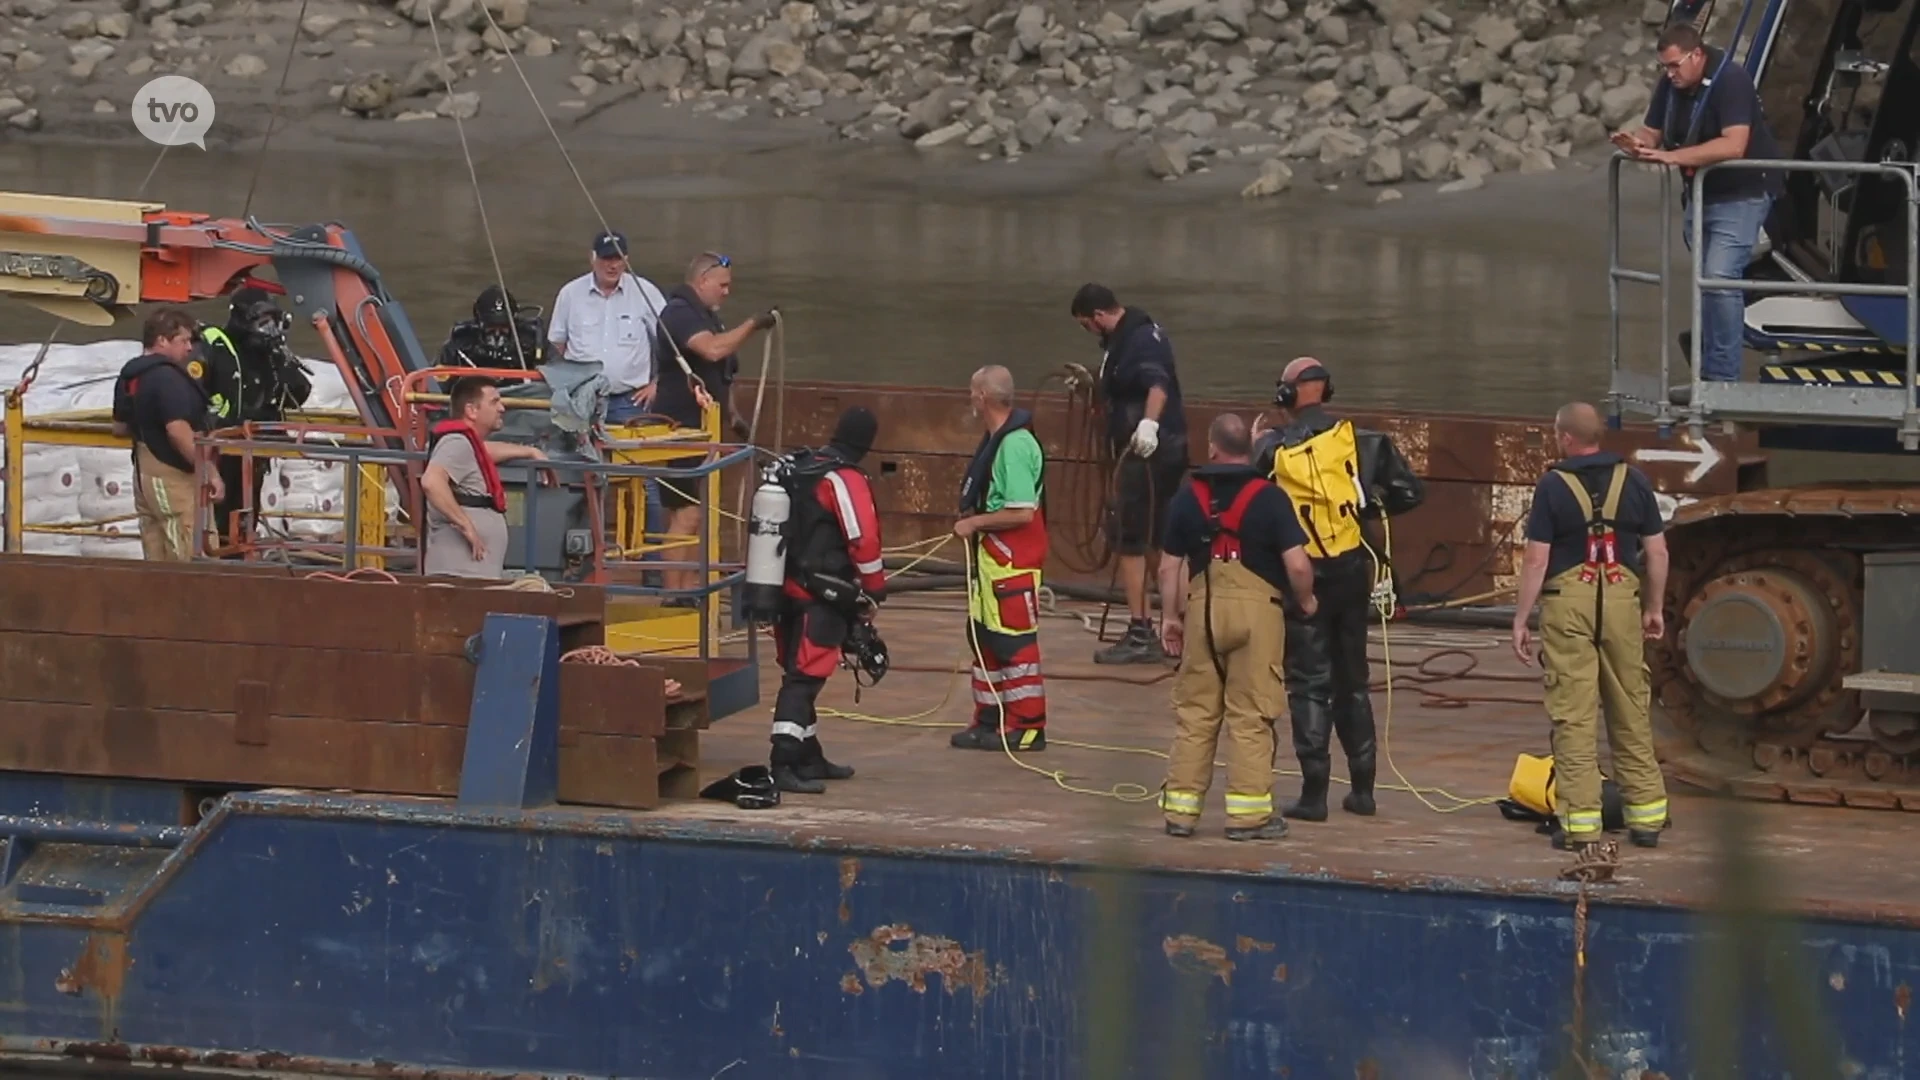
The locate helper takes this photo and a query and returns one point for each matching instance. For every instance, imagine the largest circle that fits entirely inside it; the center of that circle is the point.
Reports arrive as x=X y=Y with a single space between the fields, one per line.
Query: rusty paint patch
x=850 y=984
x=1366 y=1069
x=1190 y=953
x=1280 y=973
x=849 y=874
x=896 y=953
x=1902 y=997
x=1507 y=508
x=101 y=967
x=1412 y=438
x=1244 y=945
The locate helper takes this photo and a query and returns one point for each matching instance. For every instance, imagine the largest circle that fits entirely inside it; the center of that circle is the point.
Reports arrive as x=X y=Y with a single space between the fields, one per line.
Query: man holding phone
x=1705 y=110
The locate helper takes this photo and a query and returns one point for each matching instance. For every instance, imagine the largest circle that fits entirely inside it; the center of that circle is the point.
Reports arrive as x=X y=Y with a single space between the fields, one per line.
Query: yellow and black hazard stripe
x=1861 y=348
x=1801 y=375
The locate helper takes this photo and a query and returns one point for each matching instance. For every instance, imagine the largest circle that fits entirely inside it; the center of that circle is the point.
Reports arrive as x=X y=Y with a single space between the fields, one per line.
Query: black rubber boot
x=1312 y=803
x=1360 y=799
x=787 y=778
x=1312 y=721
x=817 y=767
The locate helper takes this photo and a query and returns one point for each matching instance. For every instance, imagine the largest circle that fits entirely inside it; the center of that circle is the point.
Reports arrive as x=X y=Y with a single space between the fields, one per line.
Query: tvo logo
x=173 y=110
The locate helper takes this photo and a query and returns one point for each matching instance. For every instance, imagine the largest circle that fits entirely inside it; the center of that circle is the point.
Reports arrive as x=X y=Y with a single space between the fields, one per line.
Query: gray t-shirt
x=447 y=551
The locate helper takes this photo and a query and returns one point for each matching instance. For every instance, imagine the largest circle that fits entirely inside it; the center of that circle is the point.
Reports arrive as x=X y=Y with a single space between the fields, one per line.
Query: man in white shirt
x=609 y=315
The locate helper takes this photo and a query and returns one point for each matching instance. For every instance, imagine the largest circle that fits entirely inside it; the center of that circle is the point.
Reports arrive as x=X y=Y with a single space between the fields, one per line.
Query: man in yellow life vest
x=1596 y=553
x=1337 y=478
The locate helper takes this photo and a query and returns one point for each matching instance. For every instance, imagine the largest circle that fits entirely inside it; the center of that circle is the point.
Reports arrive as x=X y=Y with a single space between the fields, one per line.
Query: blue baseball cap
x=610 y=245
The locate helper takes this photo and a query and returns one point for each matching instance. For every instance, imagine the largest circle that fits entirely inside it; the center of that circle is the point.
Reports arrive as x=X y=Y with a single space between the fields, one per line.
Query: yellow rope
x=1135 y=793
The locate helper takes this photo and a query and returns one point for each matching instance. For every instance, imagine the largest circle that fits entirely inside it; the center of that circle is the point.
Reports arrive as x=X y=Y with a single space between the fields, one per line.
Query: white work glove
x=1146 y=438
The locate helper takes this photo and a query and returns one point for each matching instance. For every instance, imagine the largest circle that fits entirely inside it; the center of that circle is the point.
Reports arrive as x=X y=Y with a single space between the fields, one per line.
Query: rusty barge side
x=1463 y=542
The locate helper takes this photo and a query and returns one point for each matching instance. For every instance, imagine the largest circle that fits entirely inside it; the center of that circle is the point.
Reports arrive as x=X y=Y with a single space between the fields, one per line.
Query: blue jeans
x=621 y=409
x=1731 y=228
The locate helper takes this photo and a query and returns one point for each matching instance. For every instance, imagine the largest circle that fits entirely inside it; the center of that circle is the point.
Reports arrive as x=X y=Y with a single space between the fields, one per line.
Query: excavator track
x=1764 y=612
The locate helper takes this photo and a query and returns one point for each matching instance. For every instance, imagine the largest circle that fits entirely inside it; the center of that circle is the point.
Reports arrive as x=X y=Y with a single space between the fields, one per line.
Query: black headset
x=1287 y=394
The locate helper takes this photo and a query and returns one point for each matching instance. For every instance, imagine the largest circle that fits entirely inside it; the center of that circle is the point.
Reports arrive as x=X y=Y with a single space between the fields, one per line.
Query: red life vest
x=496 y=491
x=1224 y=528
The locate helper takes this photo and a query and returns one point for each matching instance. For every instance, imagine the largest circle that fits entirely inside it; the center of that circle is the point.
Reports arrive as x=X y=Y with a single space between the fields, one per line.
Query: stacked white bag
x=67 y=485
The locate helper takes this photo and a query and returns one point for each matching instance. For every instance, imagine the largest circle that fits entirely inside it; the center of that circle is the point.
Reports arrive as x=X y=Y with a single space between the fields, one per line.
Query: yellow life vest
x=1322 y=477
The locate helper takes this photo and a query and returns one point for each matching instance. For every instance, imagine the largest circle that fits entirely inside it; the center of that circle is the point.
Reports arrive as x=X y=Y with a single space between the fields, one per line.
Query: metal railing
x=1716 y=400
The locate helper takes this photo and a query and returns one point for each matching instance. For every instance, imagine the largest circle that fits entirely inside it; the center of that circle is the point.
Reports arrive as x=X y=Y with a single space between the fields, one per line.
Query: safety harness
x=1602 y=564
x=1221 y=532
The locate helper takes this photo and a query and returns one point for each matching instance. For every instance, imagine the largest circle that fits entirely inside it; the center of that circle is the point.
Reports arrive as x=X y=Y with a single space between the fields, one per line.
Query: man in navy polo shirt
x=1705 y=111
x=690 y=329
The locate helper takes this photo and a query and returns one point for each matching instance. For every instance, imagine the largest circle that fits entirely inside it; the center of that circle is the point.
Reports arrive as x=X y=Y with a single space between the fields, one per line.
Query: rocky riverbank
x=1323 y=92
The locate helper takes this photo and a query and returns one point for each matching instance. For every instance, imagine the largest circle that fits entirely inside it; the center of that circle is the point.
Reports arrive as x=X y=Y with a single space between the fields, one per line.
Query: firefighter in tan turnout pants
x=1597 y=558
x=1237 y=537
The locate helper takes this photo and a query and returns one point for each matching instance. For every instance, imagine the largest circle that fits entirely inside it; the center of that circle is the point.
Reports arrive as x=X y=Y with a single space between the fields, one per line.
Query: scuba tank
x=767 y=543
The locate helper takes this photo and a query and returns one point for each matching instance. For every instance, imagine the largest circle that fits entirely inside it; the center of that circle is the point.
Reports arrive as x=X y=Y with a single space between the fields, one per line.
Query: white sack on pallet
x=69 y=485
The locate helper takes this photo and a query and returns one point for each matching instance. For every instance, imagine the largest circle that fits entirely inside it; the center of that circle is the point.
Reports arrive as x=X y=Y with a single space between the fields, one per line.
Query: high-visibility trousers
x=1585 y=678
x=1003 y=633
x=1246 y=631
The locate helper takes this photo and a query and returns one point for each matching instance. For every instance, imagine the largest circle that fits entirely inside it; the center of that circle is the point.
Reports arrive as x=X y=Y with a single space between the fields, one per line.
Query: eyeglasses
x=1677 y=64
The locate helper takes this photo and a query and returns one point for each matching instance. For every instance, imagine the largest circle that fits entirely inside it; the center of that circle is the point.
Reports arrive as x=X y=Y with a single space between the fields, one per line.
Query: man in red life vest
x=1236 y=534
x=466 y=502
x=833 y=580
x=1007 y=534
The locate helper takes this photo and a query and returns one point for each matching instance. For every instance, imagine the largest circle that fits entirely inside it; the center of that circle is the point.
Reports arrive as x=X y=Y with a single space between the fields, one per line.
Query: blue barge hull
x=396 y=937
x=943 y=914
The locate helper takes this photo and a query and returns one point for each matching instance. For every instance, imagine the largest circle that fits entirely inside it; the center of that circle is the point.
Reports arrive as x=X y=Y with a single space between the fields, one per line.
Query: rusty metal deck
x=913 y=791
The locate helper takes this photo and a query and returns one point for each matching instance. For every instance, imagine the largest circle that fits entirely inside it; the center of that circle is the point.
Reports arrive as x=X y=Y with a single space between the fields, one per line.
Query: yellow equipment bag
x=1322 y=477
x=1532 y=785
x=1533 y=792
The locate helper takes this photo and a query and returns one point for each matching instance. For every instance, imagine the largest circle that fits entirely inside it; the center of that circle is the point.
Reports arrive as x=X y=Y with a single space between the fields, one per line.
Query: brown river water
x=1492 y=301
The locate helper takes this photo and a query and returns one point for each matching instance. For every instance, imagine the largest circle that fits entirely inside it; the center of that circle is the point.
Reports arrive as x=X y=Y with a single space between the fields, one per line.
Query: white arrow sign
x=1703 y=457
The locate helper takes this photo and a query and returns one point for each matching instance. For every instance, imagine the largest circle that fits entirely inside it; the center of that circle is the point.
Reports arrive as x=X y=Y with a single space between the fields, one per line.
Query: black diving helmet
x=493 y=313
x=257 y=318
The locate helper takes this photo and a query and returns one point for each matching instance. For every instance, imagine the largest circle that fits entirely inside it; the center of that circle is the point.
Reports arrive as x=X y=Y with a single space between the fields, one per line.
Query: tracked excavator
x=1791 y=665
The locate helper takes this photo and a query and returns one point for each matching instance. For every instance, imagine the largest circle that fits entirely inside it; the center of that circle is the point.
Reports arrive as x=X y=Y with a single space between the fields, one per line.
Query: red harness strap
x=1225 y=528
x=488 y=471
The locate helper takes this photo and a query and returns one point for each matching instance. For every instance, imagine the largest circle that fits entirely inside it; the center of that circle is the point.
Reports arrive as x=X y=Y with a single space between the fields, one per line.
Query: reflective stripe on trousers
x=1003 y=610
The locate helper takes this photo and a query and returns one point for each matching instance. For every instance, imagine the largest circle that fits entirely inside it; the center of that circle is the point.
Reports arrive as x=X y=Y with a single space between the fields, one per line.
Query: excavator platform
x=1790 y=670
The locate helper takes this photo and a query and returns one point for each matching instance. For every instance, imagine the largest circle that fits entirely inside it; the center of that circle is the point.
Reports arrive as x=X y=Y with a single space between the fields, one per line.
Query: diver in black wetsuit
x=487 y=340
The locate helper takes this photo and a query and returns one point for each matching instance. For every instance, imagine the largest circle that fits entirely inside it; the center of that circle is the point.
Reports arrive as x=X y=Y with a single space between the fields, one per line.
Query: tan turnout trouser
x=1248 y=632
x=163 y=498
x=1583 y=677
